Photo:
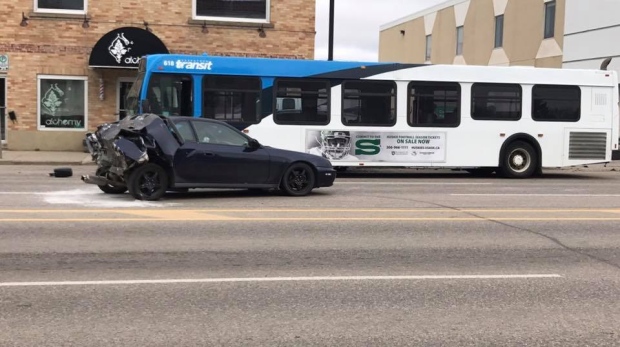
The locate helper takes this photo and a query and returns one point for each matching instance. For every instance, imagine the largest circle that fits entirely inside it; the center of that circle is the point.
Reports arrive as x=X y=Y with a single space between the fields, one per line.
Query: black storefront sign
x=123 y=48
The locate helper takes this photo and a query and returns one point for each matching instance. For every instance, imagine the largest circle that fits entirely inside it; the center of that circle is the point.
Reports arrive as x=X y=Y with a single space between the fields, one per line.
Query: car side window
x=185 y=129
x=218 y=134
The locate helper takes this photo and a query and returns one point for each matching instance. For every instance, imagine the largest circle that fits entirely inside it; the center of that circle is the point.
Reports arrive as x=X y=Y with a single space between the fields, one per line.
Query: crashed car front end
x=119 y=147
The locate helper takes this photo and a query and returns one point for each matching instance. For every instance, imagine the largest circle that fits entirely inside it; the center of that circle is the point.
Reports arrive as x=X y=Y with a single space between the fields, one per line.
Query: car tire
x=298 y=180
x=109 y=188
x=148 y=182
x=62 y=172
x=519 y=161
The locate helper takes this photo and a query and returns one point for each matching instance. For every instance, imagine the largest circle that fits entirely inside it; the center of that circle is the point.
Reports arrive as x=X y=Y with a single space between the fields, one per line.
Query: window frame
x=497 y=119
x=259 y=91
x=460 y=29
x=551 y=33
x=328 y=87
x=266 y=20
x=499 y=39
x=191 y=127
x=556 y=120
x=38 y=9
x=62 y=78
x=343 y=95
x=444 y=84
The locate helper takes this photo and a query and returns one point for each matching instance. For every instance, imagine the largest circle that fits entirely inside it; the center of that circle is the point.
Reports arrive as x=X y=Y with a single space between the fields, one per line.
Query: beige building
x=65 y=66
x=479 y=32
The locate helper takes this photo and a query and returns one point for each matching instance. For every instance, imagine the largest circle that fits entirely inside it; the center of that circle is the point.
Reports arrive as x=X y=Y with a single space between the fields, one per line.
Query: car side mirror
x=254 y=144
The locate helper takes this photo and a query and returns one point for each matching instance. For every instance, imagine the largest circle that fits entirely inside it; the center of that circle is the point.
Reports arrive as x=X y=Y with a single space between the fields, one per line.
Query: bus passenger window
x=302 y=102
x=170 y=94
x=556 y=103
x=493 y=101
x=434 y=104
x=369 y=103
x=231 y=98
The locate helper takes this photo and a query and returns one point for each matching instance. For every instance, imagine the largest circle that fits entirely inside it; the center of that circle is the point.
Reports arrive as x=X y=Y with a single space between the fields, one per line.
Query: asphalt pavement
x=382 y=258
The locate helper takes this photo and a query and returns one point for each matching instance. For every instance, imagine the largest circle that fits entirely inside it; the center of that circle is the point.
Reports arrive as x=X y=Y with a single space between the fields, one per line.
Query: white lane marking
x=416 y=183
x=543 y=195
x=275 y=279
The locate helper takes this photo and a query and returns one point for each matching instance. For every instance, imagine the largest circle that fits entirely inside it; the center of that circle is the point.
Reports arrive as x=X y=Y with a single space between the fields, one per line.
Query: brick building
x=65 y=64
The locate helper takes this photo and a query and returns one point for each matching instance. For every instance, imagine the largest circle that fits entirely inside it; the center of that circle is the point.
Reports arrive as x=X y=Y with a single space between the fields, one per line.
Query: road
x=403 y=258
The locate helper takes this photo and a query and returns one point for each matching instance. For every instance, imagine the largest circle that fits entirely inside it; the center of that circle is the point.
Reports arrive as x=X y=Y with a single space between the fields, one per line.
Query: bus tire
x=519 y=161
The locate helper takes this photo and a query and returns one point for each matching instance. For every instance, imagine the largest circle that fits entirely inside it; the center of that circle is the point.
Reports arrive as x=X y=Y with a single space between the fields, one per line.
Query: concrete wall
x=523 y=42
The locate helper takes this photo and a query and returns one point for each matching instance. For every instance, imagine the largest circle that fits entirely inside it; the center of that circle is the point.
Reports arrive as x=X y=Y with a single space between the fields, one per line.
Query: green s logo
x=368 y=147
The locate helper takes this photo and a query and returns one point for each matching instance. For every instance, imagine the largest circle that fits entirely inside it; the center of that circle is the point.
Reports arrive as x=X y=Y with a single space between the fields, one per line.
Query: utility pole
x=331 y=31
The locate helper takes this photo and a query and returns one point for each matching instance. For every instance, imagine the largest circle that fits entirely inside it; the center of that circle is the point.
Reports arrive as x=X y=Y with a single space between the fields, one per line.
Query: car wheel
x=298 y=180
x=520 y=160
x=108 y=188
x=148 y=182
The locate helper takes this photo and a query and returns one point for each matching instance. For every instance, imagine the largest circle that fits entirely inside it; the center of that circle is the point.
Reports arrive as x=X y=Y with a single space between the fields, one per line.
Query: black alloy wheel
x=298 y=180
x=148 y=182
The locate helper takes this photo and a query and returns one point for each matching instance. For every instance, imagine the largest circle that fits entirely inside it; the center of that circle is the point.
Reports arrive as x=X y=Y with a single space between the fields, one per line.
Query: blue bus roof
x=266 y=67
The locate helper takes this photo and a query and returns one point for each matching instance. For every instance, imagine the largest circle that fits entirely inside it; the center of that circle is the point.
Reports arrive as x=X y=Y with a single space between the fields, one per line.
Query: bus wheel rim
x=519 y=160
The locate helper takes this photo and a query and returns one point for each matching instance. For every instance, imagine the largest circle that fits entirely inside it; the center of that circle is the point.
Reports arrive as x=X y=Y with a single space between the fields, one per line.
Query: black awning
x=123 y=48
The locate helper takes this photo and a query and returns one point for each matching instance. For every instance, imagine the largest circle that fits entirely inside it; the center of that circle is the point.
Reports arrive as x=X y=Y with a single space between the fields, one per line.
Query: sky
x=357 y=23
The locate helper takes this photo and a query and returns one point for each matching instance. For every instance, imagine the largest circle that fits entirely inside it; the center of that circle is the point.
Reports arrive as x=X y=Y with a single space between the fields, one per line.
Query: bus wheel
x=519 y=160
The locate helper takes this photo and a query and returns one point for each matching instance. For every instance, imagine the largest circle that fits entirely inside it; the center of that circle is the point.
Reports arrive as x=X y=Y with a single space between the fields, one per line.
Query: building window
x=549 y=19
x=434 y=104
x=170 y=95
x=302 y=102
x=429 y=44
x=369 y=103
x=62 y=102
x=232 y=10
x=231 y=98
x=496 y=101
x=60 y=6
x=552 y=103
x=499 y=31
x=459 y=40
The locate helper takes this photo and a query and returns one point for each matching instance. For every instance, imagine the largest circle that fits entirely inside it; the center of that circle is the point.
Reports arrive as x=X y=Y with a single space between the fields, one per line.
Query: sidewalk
x=44 y=158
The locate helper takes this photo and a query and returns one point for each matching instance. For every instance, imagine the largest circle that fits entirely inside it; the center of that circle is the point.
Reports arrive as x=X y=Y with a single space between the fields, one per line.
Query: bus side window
x=434 y=104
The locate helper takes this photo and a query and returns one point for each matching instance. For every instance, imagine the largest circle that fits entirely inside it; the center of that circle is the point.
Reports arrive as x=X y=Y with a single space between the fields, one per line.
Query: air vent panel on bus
x=587 y=145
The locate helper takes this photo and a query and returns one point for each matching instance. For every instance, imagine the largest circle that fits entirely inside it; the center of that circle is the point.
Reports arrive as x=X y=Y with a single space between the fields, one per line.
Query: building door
x=3 y=108
x=124 y=84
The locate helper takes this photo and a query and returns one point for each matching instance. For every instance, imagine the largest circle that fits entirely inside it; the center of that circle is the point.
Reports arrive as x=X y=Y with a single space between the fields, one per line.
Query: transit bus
x=511 y=120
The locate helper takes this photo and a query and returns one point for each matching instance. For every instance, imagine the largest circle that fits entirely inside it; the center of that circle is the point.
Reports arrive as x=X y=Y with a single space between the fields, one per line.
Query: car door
x=221 y=155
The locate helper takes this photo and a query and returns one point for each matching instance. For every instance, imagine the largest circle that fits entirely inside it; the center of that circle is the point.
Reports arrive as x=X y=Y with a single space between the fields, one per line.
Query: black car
x=149 y=155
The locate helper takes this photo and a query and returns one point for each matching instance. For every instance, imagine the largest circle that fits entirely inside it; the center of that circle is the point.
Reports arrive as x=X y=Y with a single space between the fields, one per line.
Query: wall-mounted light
x=261 y=32
x=204 y=28
x=85 y=24
x=24 y=20
x=146 y=27
x=402 y=32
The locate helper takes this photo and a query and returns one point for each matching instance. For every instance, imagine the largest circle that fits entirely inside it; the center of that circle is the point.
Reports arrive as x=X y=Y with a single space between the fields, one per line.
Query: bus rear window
x=556 y=103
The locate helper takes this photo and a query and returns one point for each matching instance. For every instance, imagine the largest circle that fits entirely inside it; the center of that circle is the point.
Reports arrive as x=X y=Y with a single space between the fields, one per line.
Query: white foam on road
x=93 y=197
x=278 y=279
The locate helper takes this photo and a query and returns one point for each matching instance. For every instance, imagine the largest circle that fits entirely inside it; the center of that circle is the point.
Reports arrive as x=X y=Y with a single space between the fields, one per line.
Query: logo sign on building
x=123 y=48
x=406 y=147
x=4 y=62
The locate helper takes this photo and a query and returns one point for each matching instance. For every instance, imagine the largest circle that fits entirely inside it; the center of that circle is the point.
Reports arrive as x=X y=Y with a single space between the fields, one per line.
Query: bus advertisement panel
x=373 y=146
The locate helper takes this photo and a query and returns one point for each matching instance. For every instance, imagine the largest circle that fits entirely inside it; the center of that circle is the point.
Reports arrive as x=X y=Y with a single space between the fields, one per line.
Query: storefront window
x=62 y=102
x=60 y=6
x=232 y=10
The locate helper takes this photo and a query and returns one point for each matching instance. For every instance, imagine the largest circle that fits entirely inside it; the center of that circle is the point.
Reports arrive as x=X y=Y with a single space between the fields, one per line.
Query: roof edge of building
x=436 y=8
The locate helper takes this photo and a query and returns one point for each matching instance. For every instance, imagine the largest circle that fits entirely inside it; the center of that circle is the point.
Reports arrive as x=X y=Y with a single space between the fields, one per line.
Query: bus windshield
x=133 y=96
